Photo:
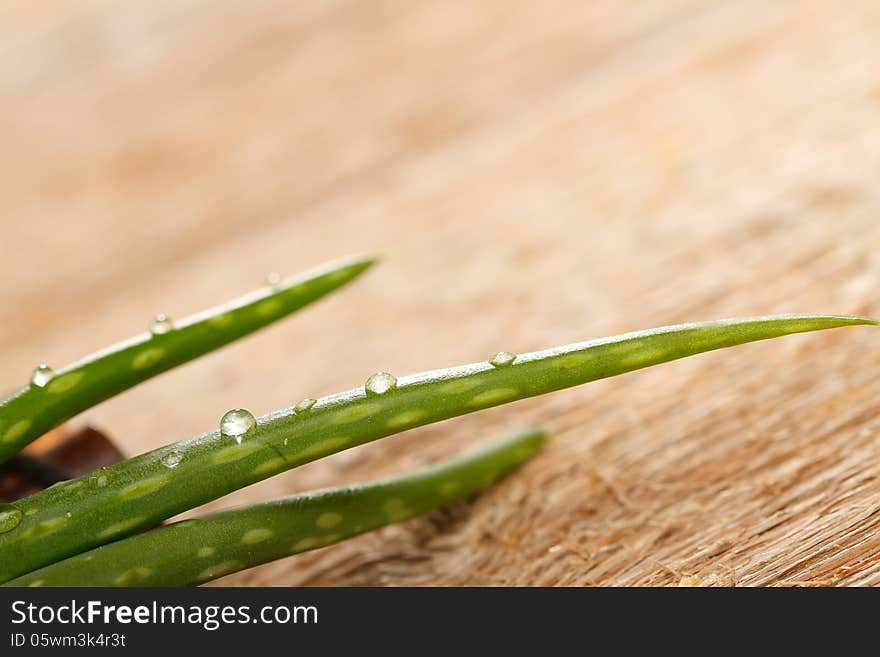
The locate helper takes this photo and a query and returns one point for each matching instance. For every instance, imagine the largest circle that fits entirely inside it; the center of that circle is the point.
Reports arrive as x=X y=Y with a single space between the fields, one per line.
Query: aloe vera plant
x=195 y=551
x=53 y=396
x=80 y=531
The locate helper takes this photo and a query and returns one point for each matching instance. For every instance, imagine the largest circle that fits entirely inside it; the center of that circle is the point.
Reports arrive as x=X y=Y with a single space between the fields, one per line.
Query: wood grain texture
x=535 y=173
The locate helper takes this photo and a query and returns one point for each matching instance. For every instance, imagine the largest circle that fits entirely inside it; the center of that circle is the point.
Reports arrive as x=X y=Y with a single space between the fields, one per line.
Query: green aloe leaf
x=136 y=494
x=196 y=551
x=54 y=397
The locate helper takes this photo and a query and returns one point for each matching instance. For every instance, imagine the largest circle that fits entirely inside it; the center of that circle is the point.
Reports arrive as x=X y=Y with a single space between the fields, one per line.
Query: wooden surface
x=535 y=174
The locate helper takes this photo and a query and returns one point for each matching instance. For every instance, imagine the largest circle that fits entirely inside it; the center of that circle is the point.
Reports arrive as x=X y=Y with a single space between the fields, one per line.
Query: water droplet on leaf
x=237 y=423
x=304 y=406
x=161 y=324
x=9 y=518
x=172 y=459
x=380 y=383
x=41 y=376
x=502 y=359
x=100 y=478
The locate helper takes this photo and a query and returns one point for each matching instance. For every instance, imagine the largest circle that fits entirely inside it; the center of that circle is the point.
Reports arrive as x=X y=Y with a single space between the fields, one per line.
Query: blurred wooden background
x=535 y=173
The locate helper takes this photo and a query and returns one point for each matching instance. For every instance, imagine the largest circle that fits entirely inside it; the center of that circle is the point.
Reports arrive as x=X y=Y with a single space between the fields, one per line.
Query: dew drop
x=41 y=376
x=502 y=359
x=380 y=383
x=9 y=518
x=161 y=324
x=100 y=478
x=304 y=406
x=172 y=459
x=273 y=279
x=237 y=423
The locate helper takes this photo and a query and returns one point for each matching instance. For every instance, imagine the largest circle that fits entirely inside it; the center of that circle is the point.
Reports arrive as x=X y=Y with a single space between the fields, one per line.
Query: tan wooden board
x=535 y=173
